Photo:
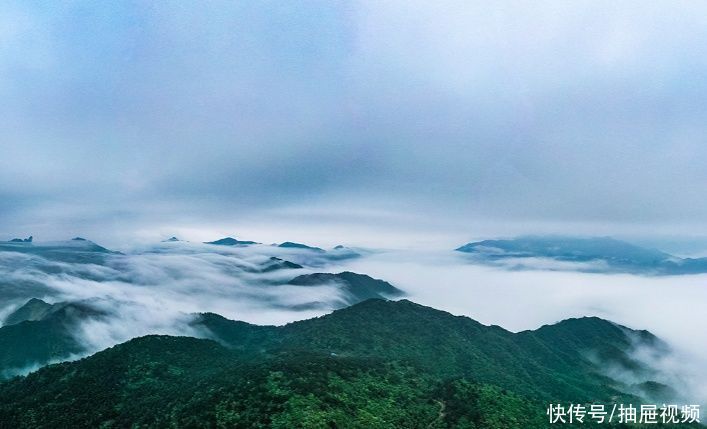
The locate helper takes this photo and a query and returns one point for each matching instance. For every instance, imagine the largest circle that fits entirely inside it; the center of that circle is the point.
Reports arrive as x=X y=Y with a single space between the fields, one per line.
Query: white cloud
x=671 y=307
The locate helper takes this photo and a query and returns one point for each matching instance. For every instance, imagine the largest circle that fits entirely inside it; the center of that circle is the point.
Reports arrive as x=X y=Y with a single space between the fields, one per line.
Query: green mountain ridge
x=39 y=333
x=355 y=287
x=34 y=309
x=378 y=364
x=544 y=363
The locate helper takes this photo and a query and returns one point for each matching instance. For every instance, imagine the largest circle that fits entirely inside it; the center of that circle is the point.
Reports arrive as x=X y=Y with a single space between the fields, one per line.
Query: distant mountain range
x=80 y=257
x=75 y=250
x=598 y=254
x=277 y=264
x=375 y=364
x=230 y=241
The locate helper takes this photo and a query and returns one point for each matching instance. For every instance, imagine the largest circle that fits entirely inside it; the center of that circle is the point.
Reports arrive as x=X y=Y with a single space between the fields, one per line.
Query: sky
x=391 y=123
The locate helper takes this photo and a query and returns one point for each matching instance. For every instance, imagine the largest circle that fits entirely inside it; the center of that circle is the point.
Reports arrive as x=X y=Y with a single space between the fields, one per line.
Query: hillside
x=162 y=381
x=542 y=363
x=375 y=364
x=34 y=309
x=353 y=287
x=38 y=335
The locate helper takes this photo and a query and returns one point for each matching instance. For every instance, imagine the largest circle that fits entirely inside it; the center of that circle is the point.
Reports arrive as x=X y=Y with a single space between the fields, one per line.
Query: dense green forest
x=378 y=364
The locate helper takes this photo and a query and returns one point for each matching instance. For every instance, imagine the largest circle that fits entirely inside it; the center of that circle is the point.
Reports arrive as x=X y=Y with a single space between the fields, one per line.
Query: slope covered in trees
x=375 y=364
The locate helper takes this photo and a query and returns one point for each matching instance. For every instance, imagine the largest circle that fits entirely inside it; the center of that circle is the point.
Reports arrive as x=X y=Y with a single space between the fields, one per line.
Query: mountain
x=355 y=287
x=292 y=245
x=171 y=240
x=343 y=252
x=77 y=250
x=34 y=309
x=554 y=362
x=377 y=364
x=39 y=333
x=162 y=381
x=230 y=241
x=22 y=240
x=539 y=364
x=276 y=264
x=29 y=267
x=598 y=254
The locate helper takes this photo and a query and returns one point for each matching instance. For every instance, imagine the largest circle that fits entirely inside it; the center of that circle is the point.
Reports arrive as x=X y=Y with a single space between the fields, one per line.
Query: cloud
x=154 y=290
x=670 y=307
x=157 y=289
x=12 y=372
x=146 y=116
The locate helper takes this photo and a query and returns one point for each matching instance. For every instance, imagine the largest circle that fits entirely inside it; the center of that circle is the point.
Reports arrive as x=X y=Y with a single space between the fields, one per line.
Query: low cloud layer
x=670 y=307
x=154 y=289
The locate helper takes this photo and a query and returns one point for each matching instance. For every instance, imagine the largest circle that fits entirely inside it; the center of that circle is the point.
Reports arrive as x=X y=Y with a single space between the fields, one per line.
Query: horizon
x=684 y=247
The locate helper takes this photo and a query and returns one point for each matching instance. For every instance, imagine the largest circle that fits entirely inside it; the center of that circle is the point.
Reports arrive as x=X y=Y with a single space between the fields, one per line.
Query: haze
x=388 y=123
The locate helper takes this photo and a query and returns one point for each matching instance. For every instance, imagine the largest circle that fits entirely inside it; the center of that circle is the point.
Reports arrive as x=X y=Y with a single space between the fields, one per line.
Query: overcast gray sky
x=352 y=121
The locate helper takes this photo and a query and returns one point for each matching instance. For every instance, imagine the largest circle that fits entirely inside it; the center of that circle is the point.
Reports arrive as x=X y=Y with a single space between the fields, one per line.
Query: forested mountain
x=39 y=333
x=354 y=287
x=375 y=364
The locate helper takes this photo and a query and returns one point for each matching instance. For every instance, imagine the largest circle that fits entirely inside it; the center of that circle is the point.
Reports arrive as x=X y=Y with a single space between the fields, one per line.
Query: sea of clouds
x=157 y=289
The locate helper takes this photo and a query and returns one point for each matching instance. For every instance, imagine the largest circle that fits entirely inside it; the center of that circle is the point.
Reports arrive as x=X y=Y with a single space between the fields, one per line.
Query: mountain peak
x=293 y=245
x=34 y=309
x=358 y=287
x=230 y=241
x=275 y=264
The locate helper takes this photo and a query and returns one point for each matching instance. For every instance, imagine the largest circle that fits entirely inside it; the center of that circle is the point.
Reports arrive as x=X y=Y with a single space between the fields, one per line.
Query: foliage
x=374 y=365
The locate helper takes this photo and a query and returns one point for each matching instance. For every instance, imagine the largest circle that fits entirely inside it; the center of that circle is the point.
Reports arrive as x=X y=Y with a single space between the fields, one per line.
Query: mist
x=157 y=289
x=671 y=307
